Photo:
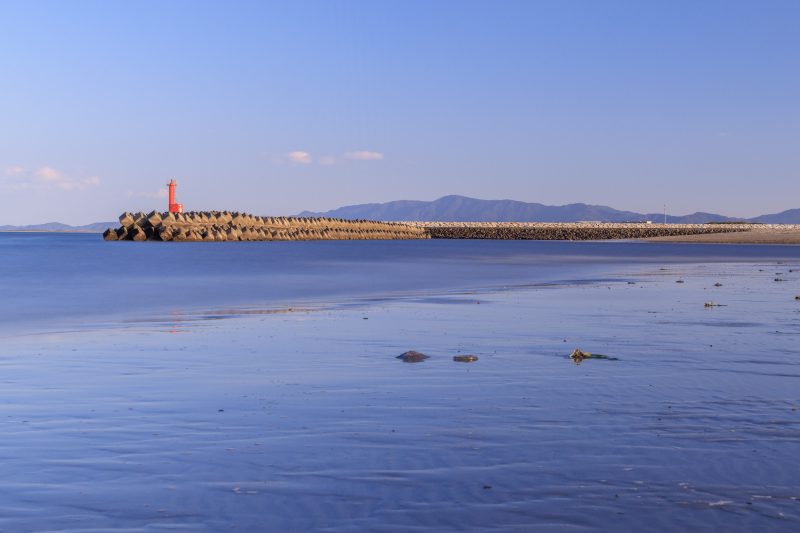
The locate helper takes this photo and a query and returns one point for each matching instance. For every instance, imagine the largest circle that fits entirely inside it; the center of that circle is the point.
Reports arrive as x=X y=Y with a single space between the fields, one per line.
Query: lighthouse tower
x=173 y=207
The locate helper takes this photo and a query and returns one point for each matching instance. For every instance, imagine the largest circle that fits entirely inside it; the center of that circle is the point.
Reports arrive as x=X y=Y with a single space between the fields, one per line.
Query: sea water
x=51 y=279
x=255 y=386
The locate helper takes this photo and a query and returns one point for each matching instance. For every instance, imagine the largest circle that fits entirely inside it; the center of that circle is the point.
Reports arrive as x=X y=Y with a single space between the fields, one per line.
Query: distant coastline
x=58 y=227
x=49 y=231
x=456 y=208
x=463 y=209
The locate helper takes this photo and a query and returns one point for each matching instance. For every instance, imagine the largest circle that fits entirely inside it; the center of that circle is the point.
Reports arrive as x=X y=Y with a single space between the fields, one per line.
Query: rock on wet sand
x=412 y=356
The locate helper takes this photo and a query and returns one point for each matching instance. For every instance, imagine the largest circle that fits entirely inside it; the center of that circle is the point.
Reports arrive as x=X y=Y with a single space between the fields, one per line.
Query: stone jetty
x=570 y=231
x=234 y=226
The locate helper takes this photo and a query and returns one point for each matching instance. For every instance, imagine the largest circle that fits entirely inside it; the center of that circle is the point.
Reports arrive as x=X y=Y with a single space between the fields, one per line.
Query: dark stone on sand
x=679 y=281
x=797 y=297
x=465 y=358
x=779 y=279
x=412 y=357
x=718 y=284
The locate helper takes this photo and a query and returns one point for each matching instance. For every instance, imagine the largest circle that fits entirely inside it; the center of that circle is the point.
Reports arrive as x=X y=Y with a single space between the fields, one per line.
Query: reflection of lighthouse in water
x=173 y=207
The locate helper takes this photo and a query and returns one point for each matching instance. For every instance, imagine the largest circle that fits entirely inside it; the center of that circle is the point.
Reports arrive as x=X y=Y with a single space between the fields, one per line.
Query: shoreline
x=773 y=236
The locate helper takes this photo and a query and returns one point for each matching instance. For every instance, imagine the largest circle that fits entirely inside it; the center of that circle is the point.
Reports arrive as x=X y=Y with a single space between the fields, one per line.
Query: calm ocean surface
x=74 y=279
x=254 y=386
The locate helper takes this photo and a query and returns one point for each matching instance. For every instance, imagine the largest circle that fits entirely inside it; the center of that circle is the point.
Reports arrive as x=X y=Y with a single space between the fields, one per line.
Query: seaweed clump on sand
x=579 y=356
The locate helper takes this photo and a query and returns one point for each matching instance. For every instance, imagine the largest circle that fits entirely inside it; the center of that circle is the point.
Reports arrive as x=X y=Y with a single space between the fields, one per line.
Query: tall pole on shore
x=665 y=213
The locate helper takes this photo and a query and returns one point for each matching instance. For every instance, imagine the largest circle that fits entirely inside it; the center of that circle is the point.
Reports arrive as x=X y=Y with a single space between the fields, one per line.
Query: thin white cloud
x=49 y=174
x=44 y=178
x=16 y=170
x=299 y=157
x=363 y=155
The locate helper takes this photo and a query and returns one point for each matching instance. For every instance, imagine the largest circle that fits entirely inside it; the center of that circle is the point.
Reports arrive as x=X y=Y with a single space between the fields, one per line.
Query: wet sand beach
x=295 y=413
x=790 y=235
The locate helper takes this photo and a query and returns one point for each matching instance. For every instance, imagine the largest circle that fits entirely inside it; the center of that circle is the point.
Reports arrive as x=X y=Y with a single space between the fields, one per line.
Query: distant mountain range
x=97 y=227
x=463 y=209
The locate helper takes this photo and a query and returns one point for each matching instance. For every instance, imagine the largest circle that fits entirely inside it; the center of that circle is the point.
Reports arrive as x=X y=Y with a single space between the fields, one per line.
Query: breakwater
x=234 y=226
x=570 y=231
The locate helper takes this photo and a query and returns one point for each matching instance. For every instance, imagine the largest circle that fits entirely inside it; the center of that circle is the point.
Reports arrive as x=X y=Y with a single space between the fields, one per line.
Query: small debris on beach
x=412 y=356
x=679 y=281
x=465 y=358
x=779 y=279
x=718 y=284
x=714 y=304
x=579 y=356
x=797 y=297
x=631 y=283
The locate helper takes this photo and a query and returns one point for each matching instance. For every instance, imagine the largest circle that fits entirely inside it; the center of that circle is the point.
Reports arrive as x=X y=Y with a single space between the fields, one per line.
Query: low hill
x=790 y=216
x=463 y=209
x=96 y=227
x=456 y=208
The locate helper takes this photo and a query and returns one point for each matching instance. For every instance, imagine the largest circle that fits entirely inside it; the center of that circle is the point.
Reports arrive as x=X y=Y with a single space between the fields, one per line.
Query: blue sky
x=278 y=107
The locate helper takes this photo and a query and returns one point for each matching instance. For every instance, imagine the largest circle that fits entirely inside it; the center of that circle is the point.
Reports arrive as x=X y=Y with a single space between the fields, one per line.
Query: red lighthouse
x=173 y=207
